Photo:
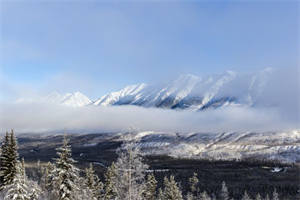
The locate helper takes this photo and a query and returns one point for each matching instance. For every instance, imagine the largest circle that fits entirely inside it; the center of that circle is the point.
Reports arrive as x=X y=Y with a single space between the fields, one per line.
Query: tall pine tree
x=171 y=189
x=150 y=189
x=9 y=159
x=17 y=189
x=131 y=170
x=4 y=166
x=275 y=195
x=65 y=180
x=110 y=183
x=246 y=196
x=224 y=195
x=93 y=183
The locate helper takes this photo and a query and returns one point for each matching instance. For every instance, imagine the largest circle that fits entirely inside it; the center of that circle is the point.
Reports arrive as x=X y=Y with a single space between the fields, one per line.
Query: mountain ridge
x=187 y=92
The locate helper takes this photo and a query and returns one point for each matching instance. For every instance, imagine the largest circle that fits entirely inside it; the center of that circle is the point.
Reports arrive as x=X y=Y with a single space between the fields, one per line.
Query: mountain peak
x=76 y=99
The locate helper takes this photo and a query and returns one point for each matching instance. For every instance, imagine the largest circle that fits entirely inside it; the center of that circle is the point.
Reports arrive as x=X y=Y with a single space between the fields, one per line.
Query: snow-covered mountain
x=193 y=92
x=75 y=99
x=188 y=92
x=281 y=145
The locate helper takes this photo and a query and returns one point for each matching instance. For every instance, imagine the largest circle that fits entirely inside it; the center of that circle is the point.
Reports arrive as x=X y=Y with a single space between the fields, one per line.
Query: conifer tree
x=93 y=183
x=150 y=189
x=65 y=175
x=160 y=195
x=47 y=177
x=193 y=181
x=246 y=196
x=275 y=195
x=110 y=191
x=9 y=159
x=22 y=170
x=189 y=196
x=171 y=189
x=258 y=197
x=267 y=197
x=17 y=189
x=131 y=170
x=204 y=196
x=4 y=165
x=224 y=192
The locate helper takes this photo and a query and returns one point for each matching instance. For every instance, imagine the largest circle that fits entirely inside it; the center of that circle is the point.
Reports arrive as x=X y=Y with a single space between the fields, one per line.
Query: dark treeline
x=127 y=178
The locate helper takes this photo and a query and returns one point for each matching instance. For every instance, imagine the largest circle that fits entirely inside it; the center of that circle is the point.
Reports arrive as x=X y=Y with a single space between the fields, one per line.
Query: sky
x=100 y=46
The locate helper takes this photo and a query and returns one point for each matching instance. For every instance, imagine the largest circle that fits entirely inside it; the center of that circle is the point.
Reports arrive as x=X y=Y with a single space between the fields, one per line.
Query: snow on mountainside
x=192 y=92
x=75 y=99
x=284 y=146
x=186 y=92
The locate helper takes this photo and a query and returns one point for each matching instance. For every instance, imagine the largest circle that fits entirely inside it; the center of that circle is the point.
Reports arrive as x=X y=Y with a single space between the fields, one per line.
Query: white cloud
x=44 y=118
x=276 y=107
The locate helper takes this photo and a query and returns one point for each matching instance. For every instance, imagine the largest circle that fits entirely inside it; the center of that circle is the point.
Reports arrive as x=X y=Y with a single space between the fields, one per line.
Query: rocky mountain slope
x=193 y=92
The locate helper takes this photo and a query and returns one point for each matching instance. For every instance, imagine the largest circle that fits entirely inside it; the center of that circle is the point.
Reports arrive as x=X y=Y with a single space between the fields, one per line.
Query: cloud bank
x=28 y=118
x=275 y=106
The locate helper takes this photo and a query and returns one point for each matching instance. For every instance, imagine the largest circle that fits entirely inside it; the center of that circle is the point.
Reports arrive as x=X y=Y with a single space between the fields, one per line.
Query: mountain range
x=186 y=92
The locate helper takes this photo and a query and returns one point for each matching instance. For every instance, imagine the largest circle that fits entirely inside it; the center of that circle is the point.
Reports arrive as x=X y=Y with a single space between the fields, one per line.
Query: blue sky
x=99 y=46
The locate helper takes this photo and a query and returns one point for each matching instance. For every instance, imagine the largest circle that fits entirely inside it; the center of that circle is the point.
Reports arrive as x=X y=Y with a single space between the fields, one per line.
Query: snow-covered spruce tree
x=190 y=196
x=160 y=195
x=65 y=174
x=171 y=189
x=46 y=180
x=204 y=196
x=275 y=195
x=34 y=189
x=93 y=183
x=4 y=166
x=246 y=196
x=85 y=192
x=9 y=159
x=224 y=195
x=150 y=189
x=267 y=197
x=130 y=182
x=17 y=189
x=193 y=182
x=258 y=197
x=110 y=191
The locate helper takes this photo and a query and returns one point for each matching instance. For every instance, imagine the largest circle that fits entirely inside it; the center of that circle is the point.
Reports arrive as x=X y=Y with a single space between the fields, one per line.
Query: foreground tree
x=22 y=188
x=65 y=174
x=47 y=177
x=9 y=159
x=4 y=165
x=171 y=189
x=193 y=181
x=17 y=189
x=275 y=195
x=160 y=195
x=246 y=196
x=93 y=183
x=110 y=183
x=150 y=189
x=258 y=197
x=224 y=195
x=131 y=170
x=204 y=196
